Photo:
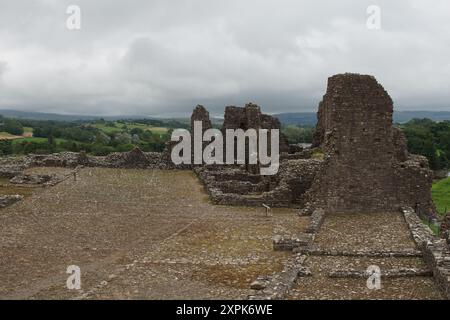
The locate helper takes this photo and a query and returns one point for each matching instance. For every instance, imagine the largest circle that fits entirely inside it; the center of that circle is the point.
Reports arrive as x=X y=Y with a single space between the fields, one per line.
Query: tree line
x=57 y=136
x=425 y=137
x=430 y=139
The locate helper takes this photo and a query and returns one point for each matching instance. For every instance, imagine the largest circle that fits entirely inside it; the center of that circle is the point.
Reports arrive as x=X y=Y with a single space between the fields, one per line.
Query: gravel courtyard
x=143 y=234
x=135 y=234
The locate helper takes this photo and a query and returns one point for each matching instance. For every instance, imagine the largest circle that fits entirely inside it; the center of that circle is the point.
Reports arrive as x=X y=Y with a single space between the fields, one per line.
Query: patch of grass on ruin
x=434 y=228
x=441 y=195
x=318 y=154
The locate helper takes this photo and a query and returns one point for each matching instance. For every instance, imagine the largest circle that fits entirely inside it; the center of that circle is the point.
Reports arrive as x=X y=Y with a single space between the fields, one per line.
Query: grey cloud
x=156 y=57
x=3 y=67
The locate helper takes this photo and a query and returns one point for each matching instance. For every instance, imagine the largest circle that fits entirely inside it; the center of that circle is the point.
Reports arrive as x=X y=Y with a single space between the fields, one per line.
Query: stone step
x=241 y=187
x=392 y=273
x=362 y=253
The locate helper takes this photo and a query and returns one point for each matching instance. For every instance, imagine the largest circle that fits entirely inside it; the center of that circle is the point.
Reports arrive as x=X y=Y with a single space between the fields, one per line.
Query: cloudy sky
x=151 y=57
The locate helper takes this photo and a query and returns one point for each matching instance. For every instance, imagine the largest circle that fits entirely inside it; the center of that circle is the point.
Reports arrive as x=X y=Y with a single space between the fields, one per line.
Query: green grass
x=441 y=195
x=317 y=154
x=434 y=227
x=107 y=129
x=35 y=139
x=118 y=128
x=6 y=135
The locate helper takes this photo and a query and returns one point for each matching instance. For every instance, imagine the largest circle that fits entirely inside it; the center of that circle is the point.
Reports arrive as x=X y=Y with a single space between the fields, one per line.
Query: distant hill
x=299 y=118
x=29 y=115
x=405 y=116
x=310 y=118
x=295 y=118
x=44 y=116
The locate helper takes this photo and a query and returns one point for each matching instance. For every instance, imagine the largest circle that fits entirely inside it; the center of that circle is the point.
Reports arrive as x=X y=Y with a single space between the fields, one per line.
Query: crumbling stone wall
x=251 y=117
x=201 y=114
x=198 y=114
x=243 y=184
x=134 y=159
x=445 y=226
x=367 y=167
x=7 y=200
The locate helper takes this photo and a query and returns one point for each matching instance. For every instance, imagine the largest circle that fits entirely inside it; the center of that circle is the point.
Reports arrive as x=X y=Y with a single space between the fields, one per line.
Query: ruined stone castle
x=365 y=165
x=358 y=161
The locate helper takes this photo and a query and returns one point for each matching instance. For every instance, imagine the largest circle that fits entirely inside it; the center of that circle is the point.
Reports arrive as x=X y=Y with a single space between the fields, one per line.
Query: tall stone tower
x=367 y=167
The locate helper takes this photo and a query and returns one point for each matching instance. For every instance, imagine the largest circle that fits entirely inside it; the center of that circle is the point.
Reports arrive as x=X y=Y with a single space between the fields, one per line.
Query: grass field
x=35 y=139
x=441 y=195
x=118 y=127
x=27 y=132
x=7 y=136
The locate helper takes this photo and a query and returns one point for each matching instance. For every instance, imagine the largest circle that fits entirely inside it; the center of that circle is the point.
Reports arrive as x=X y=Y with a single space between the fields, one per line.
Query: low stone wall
x=277 y=286
x=361 y=253
x=233 y=185
x=37 y=179
x=445 y=226
x=393 y=273
x=436 y=252
x=132 y=159
x=437 y=257
x=421 y=233
x=316 y=221
x=9 y=200
x=288 y=243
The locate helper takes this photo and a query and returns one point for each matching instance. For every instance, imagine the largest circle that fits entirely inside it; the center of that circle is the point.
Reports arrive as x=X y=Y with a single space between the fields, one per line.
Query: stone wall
x=367 y=167
x=251 y=117
x=242 y=184
x=234 y=185
x=7 y=200
x=134 y=159
x=436 y=252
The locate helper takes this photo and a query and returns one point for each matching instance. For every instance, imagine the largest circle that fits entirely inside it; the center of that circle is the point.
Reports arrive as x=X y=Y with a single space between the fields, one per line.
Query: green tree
x=12 y=126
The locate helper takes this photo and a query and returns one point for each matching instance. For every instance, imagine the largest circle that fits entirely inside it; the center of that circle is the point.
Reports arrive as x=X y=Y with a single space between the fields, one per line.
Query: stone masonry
x=367 y=167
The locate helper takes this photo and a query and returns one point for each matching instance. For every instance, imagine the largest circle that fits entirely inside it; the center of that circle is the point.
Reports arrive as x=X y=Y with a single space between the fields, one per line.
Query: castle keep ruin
x=367 y=167
x=358 y=161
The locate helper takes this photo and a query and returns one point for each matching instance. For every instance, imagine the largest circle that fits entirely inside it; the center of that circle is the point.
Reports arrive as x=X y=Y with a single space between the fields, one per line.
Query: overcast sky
x=141 y=57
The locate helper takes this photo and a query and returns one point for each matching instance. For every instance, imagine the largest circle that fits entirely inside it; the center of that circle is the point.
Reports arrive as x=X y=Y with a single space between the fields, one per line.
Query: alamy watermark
x=237 y=150
x=73 y=22
x=74 y=280
x=374 y=280
x=374 y=20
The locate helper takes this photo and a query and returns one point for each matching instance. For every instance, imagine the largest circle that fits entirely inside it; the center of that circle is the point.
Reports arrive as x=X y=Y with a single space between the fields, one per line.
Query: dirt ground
x=135 y=234
x=143 y=234
x=376 y=232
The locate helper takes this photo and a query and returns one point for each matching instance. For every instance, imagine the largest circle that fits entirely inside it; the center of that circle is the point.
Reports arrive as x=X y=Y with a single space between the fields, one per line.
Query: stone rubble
x=9 y=200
